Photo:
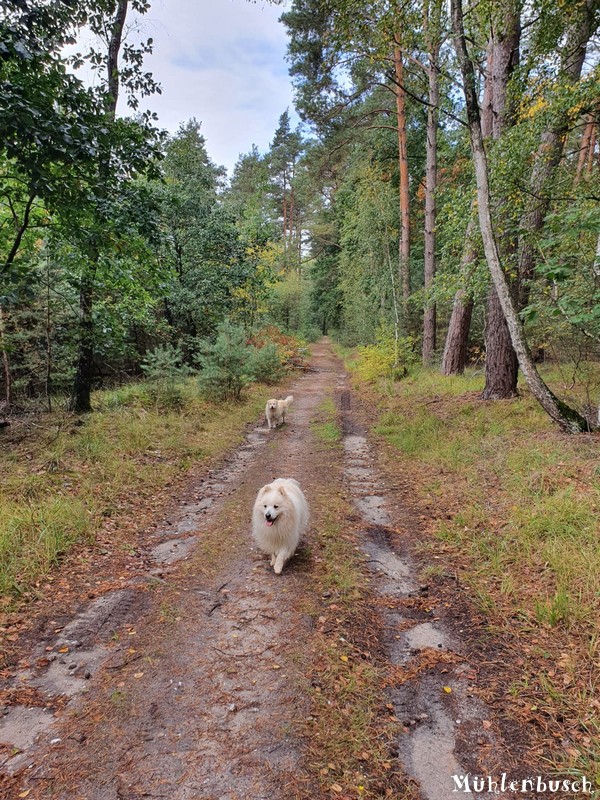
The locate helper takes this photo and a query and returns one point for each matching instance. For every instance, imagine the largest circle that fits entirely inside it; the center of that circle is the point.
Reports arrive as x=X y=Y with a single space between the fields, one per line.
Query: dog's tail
x=289 y=399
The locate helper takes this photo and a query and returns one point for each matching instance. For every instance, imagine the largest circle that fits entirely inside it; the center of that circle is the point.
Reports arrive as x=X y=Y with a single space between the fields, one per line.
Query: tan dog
x=279 y=518
x=275 y=411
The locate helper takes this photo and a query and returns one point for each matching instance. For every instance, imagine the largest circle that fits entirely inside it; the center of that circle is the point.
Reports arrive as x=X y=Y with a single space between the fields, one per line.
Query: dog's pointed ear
x=282 y=491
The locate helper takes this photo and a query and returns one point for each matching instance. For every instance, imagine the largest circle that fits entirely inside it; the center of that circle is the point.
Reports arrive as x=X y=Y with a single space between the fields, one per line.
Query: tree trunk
x=404 y=245
x=501 y=365
x=569 y=419
x=457 y=339
x=550 y=148
x=5 y=367
x=586 y=148
x=429 y=317
x=82 y=384
x=82 y=387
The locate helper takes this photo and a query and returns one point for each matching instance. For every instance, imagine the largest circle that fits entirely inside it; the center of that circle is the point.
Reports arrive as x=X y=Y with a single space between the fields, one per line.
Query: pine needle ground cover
x=65 y=479
x=510 y=506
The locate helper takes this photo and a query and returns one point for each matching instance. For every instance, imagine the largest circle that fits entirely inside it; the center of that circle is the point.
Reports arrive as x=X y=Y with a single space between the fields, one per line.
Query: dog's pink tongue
x=269 y=523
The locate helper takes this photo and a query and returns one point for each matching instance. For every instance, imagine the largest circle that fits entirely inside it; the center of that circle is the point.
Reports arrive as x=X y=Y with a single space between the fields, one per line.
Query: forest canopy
x=366 y=222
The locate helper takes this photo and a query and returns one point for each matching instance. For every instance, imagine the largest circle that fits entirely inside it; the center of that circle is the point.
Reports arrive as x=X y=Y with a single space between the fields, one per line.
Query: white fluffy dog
x=279 y=518
x=275 y=411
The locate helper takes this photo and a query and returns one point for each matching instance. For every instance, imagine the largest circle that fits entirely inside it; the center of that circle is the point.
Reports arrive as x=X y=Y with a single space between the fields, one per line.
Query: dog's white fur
x=275 y=410
x=279 y=518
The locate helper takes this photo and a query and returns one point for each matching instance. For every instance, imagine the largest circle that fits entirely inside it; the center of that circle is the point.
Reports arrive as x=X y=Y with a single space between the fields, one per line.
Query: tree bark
x=429 y=317
x=5 y=367
x=404 y=245
x=586 y=147
x=568 y=419
x=457 y=339
x=501 y=365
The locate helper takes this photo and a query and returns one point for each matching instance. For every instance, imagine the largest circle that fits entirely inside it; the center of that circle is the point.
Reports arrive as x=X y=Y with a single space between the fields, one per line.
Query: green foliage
x=265 y=364
x=226 y=364
x=165 y=374
x=390 y=357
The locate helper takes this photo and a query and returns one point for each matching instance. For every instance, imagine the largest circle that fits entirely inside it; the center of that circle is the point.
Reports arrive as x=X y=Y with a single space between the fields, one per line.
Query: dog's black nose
x=268 y=516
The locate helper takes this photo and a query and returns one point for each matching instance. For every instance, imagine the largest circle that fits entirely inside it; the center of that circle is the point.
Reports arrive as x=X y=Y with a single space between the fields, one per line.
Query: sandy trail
x=184 y=683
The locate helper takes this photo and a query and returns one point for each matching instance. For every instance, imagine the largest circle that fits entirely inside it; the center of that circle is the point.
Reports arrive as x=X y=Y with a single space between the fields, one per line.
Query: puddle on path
x=86 y=641
x=428 y=750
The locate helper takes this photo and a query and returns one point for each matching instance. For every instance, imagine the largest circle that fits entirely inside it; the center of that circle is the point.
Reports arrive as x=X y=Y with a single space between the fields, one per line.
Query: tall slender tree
x=568 y=419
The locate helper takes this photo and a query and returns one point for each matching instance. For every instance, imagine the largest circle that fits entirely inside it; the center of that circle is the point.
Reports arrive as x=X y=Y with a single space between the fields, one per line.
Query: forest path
x=183 y=684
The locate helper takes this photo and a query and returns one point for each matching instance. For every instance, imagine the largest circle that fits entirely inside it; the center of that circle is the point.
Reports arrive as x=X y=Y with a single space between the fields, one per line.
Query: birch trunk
x=568 y=419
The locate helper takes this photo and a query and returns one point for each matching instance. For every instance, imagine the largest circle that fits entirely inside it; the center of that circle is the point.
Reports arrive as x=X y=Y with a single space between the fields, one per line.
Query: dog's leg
x=282 y=557
x=273 y=557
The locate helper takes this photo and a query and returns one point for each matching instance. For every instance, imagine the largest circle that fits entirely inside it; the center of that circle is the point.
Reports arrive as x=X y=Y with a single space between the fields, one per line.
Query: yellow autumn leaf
x=25 y=793
x=344 y=658
x=447 y=689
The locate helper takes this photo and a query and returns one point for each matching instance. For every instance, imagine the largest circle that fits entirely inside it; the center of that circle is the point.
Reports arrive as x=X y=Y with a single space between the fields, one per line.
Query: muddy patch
x=68 y=657
x=436 y=708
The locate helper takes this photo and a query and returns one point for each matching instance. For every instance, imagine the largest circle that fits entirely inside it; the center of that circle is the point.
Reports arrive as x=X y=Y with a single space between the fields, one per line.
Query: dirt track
x=184 y=683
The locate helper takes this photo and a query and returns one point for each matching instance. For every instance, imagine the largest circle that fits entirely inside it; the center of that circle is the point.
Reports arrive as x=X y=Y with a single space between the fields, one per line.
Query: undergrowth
x=64 y=476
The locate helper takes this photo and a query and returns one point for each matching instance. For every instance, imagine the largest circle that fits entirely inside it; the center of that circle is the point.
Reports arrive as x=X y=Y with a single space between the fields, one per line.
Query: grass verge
x=66 y=478
x=512 y=506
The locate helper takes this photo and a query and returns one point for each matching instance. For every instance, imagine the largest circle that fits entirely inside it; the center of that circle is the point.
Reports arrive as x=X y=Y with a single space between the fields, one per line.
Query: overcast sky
x=223 y=62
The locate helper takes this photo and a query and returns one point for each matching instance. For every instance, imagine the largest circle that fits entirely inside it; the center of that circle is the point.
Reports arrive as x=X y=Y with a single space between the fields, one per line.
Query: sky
x=223 y=62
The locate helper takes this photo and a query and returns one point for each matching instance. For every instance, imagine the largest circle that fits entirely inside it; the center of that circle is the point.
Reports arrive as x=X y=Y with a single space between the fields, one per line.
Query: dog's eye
x=265 y=505
x=275 y=506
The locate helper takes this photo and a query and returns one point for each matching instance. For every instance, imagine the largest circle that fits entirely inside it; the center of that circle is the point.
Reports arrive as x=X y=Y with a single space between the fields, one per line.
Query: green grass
x=325 y=426
x=518 y=507
x=63 y=476
x=33 y=536
x=349 y=729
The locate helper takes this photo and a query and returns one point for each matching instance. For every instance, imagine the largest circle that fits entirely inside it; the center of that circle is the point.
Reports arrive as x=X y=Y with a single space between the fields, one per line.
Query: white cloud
x=223 y=62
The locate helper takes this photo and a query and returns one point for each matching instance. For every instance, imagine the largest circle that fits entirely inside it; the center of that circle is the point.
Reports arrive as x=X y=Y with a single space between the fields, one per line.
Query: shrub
x=389 y=358
x=226 y=364
x=265 y=364
x=165 y=374
x=292 y=351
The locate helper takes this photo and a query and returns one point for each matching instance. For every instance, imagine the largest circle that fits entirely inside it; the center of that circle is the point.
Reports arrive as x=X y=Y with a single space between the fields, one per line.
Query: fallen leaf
x=138 y=675
x=336 y=788
x=63 y=649
x=276 y=666
x=344 y=658
x=25 y=793
x=447 y=689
